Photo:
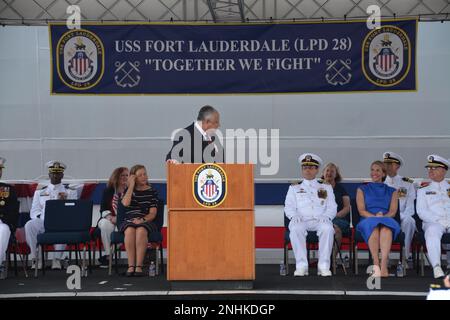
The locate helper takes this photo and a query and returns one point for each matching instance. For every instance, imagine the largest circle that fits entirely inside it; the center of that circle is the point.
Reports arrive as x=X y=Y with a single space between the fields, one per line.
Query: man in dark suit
x=198 y=143
x=8 y=217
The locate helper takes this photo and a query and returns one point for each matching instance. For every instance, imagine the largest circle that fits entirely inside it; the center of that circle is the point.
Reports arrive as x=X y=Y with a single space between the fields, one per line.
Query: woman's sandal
x=139 y=273
x=130 y=274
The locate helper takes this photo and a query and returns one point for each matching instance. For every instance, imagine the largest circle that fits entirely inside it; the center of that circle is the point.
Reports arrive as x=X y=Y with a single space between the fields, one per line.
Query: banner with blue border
x=233 y=58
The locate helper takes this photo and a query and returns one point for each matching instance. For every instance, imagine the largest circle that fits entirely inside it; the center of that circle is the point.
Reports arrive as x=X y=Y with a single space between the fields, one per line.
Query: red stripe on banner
x=265 y=237
x=273 y=238
x=25 y=190
x=88 y=190
x=269 y=237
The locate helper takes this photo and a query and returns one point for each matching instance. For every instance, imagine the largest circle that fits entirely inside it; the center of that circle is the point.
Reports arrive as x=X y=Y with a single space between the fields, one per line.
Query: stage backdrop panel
x=233 y=58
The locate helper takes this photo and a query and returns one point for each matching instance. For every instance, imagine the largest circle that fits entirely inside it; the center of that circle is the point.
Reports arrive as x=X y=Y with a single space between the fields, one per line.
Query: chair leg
x=162 y=258
x=416 y=255
x=111 y=252
x=308 y=254
x=24 y=259
x=43 y=259
x=83 y=262
x=36 y=260
x=99 y=246
x=8 y=261
x=422 y=262
x=286 y=258
x=76 y=255
x=16 y=272
x=353 y=255
x=90 y=258
x=401 y=253
x=156 y=261
x=115 y=259
x=339 y=252
x=403 y=256
x=333 y=257
x=356 y=260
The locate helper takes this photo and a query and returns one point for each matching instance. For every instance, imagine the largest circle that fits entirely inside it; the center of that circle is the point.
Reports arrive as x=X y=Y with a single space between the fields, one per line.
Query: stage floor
x=267 y=285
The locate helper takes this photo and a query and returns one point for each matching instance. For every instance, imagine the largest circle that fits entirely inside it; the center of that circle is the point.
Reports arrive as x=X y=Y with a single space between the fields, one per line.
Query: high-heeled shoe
x=138 y=273
x=130 y=273
x=376 y=272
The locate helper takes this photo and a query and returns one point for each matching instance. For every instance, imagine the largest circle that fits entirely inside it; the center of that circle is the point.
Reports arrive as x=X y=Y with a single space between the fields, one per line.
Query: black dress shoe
x=104 y=261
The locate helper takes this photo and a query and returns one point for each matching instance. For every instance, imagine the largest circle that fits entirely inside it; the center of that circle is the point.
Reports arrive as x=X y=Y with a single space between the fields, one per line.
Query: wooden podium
x=211 y=243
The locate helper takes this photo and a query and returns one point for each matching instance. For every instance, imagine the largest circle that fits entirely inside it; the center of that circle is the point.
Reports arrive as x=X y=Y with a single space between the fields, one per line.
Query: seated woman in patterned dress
x=377 y=205
x=140 y=202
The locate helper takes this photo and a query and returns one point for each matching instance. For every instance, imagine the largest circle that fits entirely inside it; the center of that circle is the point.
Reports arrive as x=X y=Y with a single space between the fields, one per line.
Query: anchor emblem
x=127 y=74
x=338 y=72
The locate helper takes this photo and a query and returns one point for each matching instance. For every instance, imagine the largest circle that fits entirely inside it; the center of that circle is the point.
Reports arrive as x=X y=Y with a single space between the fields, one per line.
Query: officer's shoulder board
x=42 y=190
x=67 y=186
x=320 y=181
x=424 y=185
x=295 y=183
x=409 y=180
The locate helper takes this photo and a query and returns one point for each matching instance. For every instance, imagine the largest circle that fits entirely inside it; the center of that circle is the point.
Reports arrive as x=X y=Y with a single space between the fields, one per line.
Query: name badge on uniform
x=402 y=192
x=322 y=193
x=430 y=192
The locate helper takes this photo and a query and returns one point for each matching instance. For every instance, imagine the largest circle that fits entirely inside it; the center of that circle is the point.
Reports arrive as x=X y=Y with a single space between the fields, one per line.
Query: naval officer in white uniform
x=406 y=195
x=310 y=206
x=433 y=207
x=53 y=191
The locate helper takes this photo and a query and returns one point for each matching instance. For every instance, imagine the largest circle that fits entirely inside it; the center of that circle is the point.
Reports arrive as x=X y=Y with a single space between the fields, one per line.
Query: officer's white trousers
x=298 y=232
x=106 y=228
x=5 y=233
x=433 y=236
x=33 y=228
x=408 y=226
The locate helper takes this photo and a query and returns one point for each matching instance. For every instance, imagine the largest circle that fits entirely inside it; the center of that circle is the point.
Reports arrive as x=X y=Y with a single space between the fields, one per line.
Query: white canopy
x=38 y=12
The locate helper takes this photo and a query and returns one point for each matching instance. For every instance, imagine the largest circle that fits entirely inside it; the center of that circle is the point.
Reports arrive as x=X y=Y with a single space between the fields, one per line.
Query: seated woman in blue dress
x=377 y=205
x=140 y=202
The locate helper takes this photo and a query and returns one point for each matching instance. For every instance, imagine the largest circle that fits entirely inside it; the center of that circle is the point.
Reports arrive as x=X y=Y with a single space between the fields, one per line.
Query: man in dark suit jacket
x=197 y=142
x=8 y=217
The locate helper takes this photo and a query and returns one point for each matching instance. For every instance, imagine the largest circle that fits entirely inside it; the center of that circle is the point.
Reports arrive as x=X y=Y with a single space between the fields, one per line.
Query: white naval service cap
x=392 y=157
x=310 y=159
x=55 y=166
x=2 y=162
x=437 y=161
